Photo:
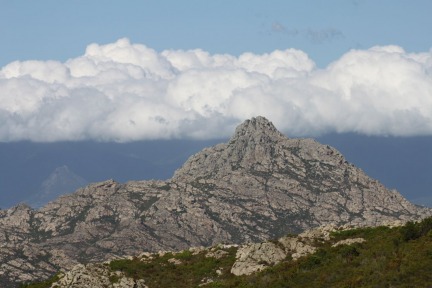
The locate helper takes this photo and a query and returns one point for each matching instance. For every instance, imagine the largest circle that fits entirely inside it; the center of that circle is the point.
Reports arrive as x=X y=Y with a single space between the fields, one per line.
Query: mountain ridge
x=259 y=185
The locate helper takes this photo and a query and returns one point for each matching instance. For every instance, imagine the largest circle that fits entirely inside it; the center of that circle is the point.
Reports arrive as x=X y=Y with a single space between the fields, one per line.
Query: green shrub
x=114 y=279
x=184 y=255
x=349 y=252
x=410 y=231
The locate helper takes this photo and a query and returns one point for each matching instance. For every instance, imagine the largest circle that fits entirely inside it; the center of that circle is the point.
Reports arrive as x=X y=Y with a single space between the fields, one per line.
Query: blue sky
x=325 y=30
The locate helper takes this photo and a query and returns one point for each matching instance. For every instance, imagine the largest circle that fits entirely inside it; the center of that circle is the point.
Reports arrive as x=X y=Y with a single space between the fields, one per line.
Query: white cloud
x=125 y=92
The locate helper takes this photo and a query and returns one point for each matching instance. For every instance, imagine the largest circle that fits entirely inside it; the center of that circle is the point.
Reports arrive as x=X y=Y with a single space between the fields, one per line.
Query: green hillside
x=390 y=257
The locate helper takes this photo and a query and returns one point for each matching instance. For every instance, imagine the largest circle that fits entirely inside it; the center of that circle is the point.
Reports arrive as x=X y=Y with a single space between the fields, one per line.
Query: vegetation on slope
x=163 y=272
x=390 y=257
x=398 y=257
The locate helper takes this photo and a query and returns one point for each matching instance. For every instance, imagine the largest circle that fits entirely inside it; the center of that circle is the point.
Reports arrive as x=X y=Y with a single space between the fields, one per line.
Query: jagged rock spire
x=256 y=128
x=251 y=147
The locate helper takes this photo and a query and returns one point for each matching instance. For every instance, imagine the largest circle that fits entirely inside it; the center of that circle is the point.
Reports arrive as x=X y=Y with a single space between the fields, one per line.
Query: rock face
x=259 y=185
x=96 y=276
x=255 y=257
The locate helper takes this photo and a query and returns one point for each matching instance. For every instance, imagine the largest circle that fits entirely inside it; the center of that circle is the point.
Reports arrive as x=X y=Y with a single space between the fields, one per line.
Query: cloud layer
x=125 y=92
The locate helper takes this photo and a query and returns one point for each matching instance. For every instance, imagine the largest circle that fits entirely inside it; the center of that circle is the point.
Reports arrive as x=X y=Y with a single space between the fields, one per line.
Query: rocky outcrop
x=256 y=257
x=251 y=258
x=96 y=276
x=260 y=185
x=349 y=242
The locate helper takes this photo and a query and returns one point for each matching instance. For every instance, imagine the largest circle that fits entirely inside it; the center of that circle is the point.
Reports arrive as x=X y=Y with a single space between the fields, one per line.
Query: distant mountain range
x=61 y=181
x=259 y=185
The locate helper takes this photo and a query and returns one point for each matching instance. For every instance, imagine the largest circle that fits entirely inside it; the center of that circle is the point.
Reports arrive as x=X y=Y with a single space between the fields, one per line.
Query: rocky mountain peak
x=256 y=129
x=252 y=147
x=259 y=185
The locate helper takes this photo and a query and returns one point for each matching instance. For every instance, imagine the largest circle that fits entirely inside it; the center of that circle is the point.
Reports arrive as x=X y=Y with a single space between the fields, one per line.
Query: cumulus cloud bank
x=125 y=92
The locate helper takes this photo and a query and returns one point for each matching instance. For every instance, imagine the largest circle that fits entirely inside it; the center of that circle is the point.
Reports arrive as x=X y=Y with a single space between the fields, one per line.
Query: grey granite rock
x=96 y=276
x=256 y=257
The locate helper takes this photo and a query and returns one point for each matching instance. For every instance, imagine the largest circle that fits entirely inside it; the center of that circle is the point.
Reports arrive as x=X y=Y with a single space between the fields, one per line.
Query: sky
x=139 y=70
